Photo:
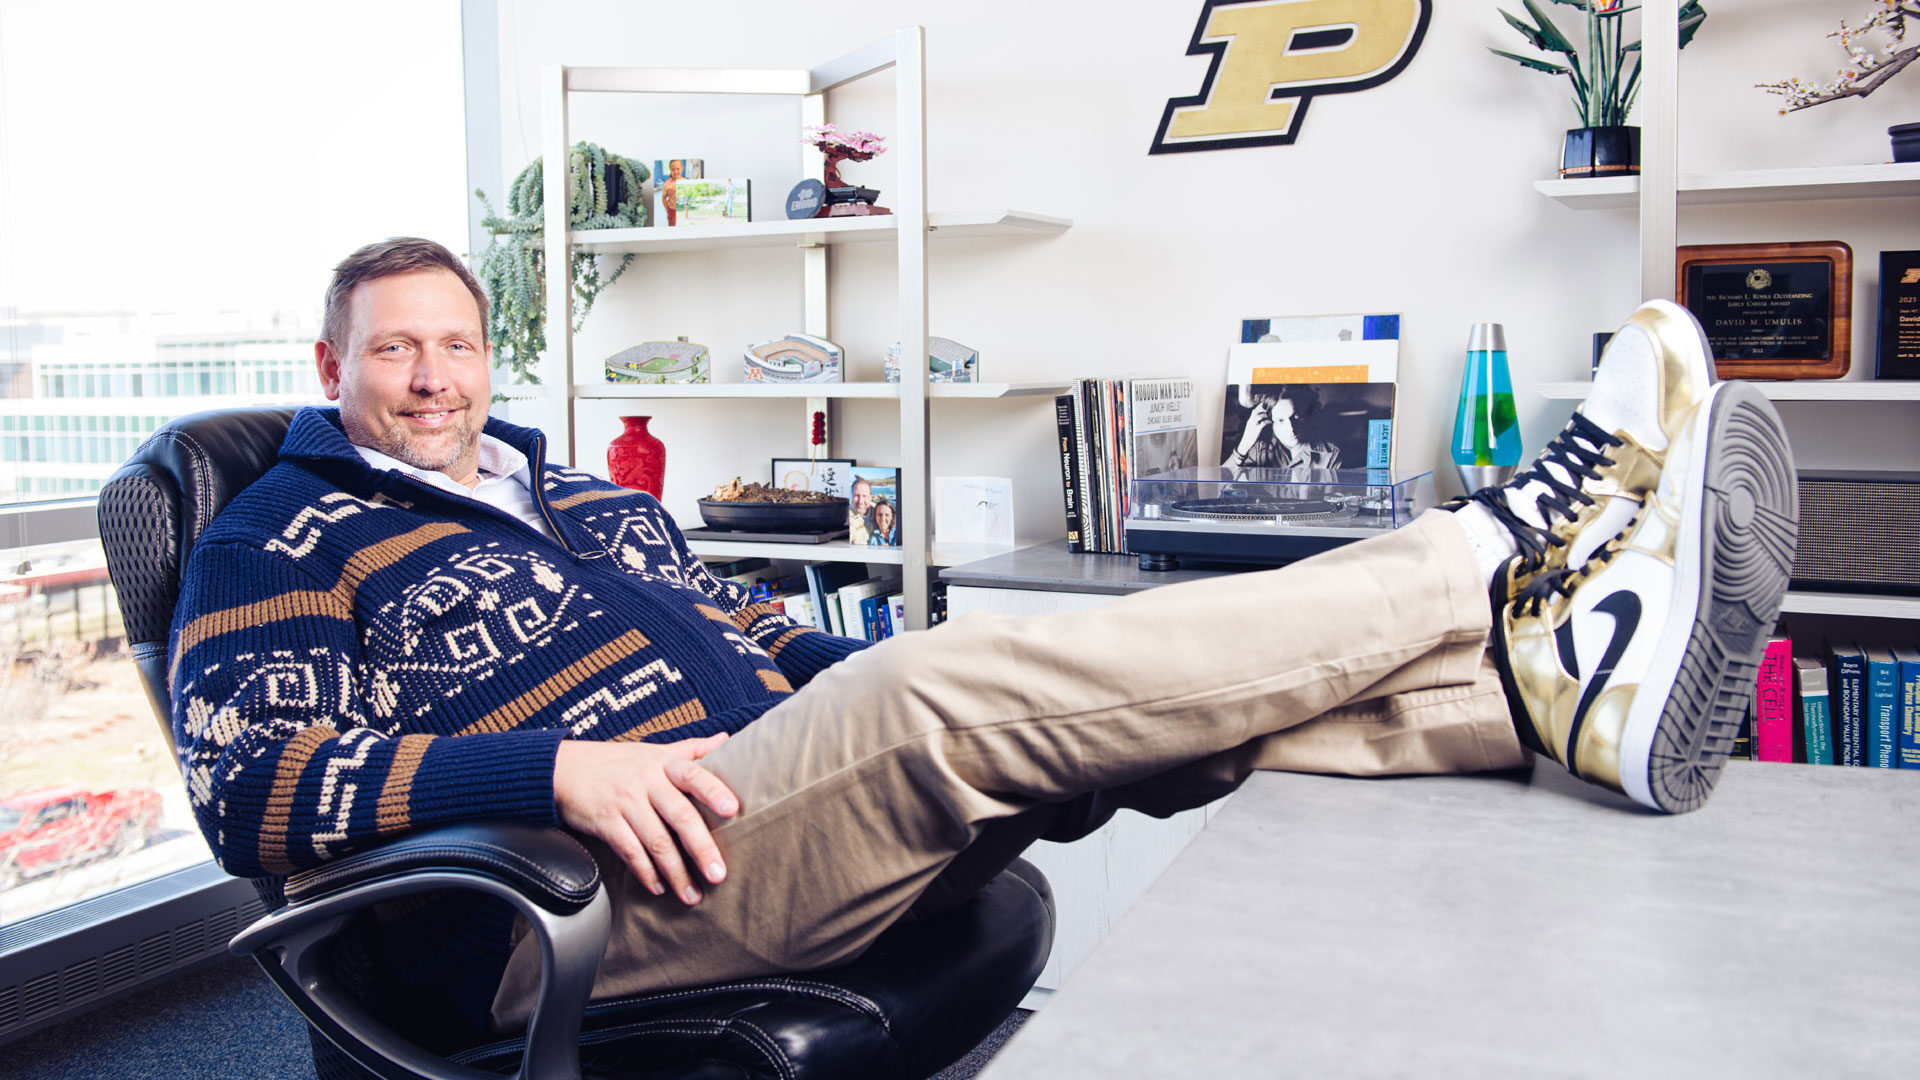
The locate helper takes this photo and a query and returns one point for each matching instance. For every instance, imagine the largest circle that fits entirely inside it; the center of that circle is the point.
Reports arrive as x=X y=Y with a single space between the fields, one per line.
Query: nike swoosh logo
x=1624 y=606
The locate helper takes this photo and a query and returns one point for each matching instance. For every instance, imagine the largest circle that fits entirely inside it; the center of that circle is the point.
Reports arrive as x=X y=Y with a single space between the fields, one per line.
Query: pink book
x=1773 y=703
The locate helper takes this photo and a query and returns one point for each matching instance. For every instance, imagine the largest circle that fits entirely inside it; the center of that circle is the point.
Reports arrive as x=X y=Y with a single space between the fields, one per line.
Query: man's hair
x=385 y=258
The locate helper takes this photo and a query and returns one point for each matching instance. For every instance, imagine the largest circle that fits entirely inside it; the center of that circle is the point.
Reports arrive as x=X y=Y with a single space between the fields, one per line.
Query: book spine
x=1817 y=722
x=1743 y=739
x=1069 y=469
x=1908 y=751
x=1883 y=695
x=1773 y=703
x=1086 y=442
x=1849 y=705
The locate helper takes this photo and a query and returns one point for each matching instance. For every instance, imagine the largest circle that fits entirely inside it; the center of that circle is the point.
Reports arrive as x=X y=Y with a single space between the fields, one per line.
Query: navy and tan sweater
x=356 y=653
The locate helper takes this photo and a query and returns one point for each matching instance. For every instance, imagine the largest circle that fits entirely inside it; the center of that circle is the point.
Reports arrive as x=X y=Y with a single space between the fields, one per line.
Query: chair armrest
x=548 y=866
x=543 y=873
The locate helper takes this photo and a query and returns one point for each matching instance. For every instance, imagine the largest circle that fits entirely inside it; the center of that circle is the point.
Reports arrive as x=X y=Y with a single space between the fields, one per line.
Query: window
x=170 y=220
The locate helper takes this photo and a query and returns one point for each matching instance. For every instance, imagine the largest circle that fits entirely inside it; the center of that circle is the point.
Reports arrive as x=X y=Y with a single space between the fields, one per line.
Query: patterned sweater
x=356 y=653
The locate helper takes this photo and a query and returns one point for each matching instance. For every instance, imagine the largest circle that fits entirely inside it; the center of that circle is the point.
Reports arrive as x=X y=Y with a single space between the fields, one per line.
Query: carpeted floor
x=226 y=1022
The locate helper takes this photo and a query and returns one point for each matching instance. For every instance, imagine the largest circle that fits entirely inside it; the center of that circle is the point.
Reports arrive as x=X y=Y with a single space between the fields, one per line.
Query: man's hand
x=1259 y=423
x=634 y=796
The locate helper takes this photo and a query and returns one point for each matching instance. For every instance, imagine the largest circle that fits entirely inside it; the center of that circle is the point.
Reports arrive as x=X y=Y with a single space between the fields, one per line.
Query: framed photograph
x=1772 y=311
x=831 y=476
x=873 y=506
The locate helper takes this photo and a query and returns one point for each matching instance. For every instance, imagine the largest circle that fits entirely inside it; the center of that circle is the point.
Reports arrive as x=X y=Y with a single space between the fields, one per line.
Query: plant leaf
x=1556 y=41
x=1534 y=37
x=1533 y=62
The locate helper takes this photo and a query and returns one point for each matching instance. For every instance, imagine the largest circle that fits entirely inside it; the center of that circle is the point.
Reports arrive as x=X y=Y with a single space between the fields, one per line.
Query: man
x=859 y=511
x=414 y=619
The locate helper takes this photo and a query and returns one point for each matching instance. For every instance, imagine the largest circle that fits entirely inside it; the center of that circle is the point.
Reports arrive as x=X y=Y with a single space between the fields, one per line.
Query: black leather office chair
x=923 y=995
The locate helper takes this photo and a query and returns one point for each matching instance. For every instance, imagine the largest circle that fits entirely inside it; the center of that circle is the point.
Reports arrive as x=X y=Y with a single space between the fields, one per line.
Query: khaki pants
x=915 y=770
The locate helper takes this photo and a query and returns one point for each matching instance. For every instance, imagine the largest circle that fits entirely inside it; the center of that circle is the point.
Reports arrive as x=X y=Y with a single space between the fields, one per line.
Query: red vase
x=637 y=460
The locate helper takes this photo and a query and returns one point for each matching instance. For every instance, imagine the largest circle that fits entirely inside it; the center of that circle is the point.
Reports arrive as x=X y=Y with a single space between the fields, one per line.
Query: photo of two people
x=873 y=507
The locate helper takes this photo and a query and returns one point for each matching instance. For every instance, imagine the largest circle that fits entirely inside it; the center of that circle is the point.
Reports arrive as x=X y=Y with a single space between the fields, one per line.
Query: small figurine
x=947 y=361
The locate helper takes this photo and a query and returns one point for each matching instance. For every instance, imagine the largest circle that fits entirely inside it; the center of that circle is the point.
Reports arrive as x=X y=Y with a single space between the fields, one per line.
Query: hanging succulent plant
x=604 y=191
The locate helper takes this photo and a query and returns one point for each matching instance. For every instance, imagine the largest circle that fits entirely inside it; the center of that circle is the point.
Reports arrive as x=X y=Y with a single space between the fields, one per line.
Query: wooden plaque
x=1772 y=311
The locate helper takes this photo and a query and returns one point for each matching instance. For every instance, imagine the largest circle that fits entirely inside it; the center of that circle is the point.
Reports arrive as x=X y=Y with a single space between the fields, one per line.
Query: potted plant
x=604 y=191
x=839 y=147
x=1870 y=70
x=1605 y=72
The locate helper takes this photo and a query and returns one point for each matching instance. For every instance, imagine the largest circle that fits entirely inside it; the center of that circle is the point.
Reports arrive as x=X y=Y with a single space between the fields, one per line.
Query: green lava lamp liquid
x=1486 y=431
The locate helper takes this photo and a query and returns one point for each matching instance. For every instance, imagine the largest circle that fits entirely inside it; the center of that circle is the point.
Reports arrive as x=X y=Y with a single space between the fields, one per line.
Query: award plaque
x=1899 y=356
x=1772 y=311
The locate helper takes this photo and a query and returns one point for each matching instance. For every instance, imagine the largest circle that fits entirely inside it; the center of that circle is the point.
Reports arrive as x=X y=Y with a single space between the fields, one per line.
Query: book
x=824 y=581
x=1816 y=722
x=854 y=616
x=1773 y=703
x=799 y=607
x=1743 y=738
x=1907 y=744
x=1848 y=695
x=897 y=612
x=1069 y=468
x=1882 y=705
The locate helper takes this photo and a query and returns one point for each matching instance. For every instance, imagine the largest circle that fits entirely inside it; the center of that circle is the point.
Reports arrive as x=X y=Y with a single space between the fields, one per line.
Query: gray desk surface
x=1513 y=925
x=1051 y=567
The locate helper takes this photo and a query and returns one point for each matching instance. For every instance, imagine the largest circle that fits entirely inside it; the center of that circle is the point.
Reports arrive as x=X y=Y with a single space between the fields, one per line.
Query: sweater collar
x=316 y=434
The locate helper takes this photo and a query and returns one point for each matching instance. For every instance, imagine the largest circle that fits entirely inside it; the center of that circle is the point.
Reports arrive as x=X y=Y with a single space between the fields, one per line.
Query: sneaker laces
x=1578 y=451
x=1561 y=581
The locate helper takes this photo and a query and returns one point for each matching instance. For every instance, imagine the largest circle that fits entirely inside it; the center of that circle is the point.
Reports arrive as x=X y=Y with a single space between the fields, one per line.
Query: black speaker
x=1859 y=531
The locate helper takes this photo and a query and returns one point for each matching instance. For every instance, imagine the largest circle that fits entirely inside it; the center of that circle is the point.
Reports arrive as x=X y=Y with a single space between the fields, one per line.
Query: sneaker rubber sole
x=1733 y=561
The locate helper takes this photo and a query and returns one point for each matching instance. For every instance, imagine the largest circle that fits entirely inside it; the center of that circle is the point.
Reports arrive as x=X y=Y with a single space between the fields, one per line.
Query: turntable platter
x=1284 y=511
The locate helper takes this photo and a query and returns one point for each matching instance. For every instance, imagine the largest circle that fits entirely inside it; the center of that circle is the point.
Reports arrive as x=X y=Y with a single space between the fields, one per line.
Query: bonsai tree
x=842 y=146
x=1870 y=68
x=513 y=269
x=1604 y=83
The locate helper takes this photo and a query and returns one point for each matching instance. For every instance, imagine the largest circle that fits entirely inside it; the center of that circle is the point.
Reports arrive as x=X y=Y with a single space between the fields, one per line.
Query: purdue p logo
x=1270 y=57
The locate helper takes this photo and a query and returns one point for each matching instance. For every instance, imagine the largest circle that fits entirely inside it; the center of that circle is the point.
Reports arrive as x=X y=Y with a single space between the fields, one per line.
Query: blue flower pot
x=1601 y=151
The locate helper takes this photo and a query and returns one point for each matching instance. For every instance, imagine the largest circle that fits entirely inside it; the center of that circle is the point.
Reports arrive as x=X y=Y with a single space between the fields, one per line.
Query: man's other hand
x=635 y=797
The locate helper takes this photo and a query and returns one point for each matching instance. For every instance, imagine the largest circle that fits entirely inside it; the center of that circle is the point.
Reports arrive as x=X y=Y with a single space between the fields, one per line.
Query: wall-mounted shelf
x=1802 y=390
x=1745 y=186
x=840 y=551
x=790 y=391
x=1860 y=604
x=813 y=232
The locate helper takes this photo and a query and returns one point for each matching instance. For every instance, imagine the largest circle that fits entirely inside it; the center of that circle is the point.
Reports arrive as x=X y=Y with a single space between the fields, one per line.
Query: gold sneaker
x=1634 y=668
x=1585 y=487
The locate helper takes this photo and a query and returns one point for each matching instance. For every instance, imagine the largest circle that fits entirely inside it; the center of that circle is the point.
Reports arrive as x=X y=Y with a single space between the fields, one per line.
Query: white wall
x=1414 y=197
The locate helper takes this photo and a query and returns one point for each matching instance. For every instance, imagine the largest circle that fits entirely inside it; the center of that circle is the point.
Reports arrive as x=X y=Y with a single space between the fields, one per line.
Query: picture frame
x=1771 y=311
x=868 y=524
x=830 y=476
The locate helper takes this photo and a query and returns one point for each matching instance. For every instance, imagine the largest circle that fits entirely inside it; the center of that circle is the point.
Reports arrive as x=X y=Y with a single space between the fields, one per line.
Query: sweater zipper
x=538 y=491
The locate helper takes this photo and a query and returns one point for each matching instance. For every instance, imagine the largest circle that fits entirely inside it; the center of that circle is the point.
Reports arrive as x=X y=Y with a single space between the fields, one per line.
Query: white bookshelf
x=1892 y=180
x=910 y=228
x=812 y=233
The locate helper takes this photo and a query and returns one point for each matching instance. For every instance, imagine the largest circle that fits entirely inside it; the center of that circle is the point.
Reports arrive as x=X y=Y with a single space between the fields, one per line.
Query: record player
x=1265 y=517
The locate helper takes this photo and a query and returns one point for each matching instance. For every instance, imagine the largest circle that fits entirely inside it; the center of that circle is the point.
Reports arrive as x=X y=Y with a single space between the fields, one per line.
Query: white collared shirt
x=505 y=480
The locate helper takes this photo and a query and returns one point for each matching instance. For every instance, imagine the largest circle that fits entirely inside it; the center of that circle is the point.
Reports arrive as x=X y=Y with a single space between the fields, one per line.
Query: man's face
x=862 y=496
x=411 y=378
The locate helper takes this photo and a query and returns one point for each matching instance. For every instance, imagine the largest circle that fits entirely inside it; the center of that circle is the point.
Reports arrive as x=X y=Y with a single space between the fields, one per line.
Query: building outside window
x=167 y=227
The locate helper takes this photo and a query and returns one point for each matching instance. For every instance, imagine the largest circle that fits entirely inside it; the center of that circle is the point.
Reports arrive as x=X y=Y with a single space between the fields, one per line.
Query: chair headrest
x=156 y=505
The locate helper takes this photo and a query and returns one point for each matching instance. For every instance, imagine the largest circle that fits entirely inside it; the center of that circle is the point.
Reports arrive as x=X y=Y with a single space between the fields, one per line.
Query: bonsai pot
x=807 y=517
x=1906 y=141
x=1601 y=151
